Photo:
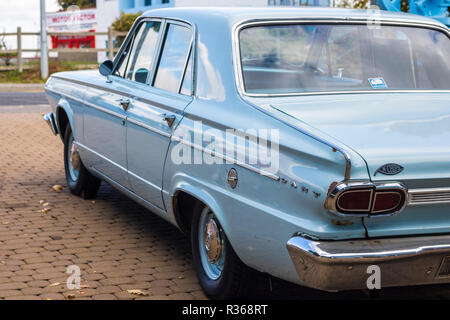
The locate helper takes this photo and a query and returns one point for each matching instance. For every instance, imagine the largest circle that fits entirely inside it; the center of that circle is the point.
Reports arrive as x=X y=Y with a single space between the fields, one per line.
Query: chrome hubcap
x=74 y=160
x=211 y=244
x=213 y=241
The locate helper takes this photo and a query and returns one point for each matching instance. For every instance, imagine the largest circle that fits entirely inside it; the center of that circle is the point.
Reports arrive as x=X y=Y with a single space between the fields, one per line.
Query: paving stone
x=105 y=296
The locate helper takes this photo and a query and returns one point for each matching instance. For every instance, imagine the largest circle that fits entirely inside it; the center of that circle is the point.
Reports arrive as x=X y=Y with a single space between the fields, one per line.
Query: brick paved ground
x=117 y=244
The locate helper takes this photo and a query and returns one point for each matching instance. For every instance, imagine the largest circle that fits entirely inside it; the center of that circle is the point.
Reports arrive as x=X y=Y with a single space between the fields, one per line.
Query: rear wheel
x=221 y=273
x=79 y=180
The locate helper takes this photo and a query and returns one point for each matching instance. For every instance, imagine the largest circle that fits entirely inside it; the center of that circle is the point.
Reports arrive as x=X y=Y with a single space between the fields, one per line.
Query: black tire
x=236 y=278
x=86 y=184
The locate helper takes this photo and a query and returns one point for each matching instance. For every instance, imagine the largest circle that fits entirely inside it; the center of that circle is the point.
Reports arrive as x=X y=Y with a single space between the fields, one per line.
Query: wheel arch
x=184 y=199
x=64 y=117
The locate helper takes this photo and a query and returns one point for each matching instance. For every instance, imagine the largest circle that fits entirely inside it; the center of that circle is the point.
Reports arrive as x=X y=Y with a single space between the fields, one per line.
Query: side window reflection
x=137 y=65
x=173 y=58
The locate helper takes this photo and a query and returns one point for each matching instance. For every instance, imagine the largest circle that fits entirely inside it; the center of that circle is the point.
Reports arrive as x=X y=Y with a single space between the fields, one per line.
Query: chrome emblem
x=389 y=169
x=232 y=178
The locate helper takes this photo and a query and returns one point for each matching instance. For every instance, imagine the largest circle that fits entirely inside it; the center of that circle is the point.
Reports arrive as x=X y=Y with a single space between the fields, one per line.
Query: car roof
x=236 y=15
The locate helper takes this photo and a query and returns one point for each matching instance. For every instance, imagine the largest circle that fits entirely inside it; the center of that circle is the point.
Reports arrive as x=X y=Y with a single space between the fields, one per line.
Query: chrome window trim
x=346 y=92
x=130 y=37
x=191 y=49
x=180 y=85
x=344 y=20
x=164 y=21
x=157 y=53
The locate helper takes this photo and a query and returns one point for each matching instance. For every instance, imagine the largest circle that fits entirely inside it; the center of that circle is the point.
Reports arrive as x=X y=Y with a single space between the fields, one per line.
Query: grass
x=32 y=75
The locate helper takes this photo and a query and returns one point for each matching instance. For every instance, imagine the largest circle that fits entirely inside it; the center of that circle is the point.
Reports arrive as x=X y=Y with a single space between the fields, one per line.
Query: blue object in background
x=133 y=6
x=437 y=9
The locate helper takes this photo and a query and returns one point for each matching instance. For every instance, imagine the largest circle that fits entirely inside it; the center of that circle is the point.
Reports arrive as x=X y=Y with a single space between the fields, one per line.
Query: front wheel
x=221 y=273
x=79 y=179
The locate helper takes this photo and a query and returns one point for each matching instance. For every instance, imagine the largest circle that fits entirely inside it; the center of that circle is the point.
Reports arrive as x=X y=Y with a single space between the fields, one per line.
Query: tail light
x=387 y=201
x=366 y=199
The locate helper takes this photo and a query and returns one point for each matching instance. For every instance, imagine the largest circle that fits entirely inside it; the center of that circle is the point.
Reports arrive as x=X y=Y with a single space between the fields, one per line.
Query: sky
x=24 y=13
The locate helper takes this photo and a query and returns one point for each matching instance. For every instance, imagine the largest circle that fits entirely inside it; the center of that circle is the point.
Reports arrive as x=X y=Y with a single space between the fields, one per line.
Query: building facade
x=132 y=6
x=109 y=10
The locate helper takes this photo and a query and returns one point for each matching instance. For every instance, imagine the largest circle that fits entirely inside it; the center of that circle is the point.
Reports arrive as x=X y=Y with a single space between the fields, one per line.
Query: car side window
x=173 y=57
x=186 y=87
x=138 y=65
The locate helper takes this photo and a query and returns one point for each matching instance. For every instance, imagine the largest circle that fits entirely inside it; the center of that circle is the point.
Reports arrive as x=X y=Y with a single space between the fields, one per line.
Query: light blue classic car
x=310 y=144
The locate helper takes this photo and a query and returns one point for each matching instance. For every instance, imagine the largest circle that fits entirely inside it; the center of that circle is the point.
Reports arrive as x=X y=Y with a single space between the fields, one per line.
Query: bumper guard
x=50 y=119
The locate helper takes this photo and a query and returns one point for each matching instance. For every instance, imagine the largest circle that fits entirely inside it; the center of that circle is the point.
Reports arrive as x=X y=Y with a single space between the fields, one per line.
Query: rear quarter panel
x=261 y=214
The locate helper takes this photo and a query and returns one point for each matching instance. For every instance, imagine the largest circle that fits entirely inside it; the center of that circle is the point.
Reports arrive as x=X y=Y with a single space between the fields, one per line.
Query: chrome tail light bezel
x=338 y=189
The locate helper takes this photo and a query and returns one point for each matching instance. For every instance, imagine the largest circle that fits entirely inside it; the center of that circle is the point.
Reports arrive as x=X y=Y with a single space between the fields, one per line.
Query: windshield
x=294 y=58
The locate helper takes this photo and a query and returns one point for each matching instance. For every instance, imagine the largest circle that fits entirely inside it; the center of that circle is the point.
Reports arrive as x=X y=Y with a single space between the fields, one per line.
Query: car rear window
x=295 y=58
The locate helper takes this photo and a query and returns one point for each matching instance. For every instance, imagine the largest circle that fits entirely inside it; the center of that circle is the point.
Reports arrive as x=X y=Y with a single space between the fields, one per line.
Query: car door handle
x=169 y=118
x=124 y=103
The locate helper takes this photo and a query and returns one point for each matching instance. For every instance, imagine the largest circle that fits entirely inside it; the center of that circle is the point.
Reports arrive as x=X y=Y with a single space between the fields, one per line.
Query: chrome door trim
x=144 y=181
x=147 y=101
x=68 y=96
x=131 y=194
x=226 y=158
x=145 y=126
x=83 y=147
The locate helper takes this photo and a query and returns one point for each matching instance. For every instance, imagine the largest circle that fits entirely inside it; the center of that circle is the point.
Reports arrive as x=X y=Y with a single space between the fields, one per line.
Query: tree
x=5 y=56
x=124 y=24
x=355 y=4
x=125 y=21
x=80 y=3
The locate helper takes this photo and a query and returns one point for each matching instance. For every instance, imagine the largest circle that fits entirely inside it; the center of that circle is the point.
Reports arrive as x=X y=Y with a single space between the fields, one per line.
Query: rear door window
x=174 y=58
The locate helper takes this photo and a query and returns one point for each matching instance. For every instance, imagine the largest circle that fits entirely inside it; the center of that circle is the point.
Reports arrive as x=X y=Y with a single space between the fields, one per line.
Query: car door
x=105 y=130
x=157 y=104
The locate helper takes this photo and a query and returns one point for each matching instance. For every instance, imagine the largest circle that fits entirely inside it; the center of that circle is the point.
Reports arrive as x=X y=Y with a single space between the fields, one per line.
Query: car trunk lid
x=408 y=129
x=411 y=130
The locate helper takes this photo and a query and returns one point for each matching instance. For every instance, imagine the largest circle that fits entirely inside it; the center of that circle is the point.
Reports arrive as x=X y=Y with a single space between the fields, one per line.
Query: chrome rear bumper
x=342 y=265
x=50 y=119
